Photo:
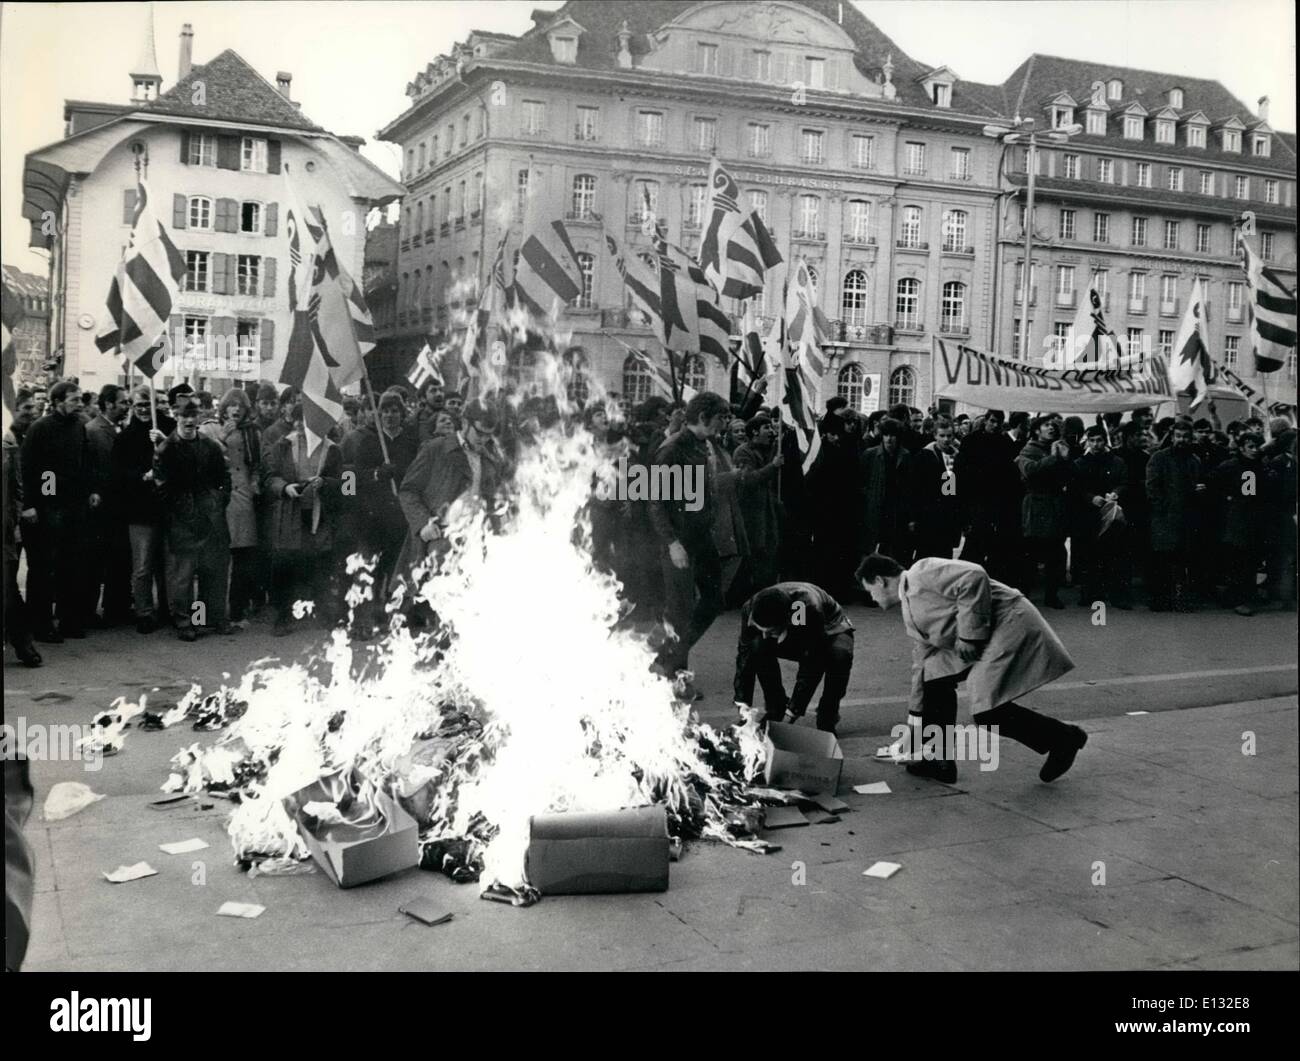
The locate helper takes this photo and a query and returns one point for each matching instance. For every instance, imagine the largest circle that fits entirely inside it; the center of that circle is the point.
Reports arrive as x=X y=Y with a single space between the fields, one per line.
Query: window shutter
x=220 y=274
x=228 y=152
x=224 y=330
x=128 y=206
x=268 y=339
x=271 y=219
x=227 y=215
x=180 y=211
x=185 y=147
x=273 y=156
x=268 y=277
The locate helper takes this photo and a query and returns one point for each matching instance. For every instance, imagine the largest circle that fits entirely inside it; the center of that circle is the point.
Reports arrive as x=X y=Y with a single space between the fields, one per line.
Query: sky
x=351 y=61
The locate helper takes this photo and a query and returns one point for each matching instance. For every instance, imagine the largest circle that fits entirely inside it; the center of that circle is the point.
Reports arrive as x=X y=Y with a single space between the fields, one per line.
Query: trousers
x=830 y=662
x=1040 y=733
x=210 y=564
x=693 y=599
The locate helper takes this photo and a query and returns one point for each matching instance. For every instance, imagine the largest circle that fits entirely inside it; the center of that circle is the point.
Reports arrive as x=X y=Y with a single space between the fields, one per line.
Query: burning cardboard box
x=614 y=851
x=356 y=833
x=802 y=758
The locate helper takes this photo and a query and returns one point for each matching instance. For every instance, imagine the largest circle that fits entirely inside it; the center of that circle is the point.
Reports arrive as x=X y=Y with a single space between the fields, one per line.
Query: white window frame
x=203 y=149
x=758 y=203
x=534 y=118
x=1231 y=350
x=1206 y=179
x=815 y=71
x=812 y=147
x=706 y=133
x=1137 y=285
x=647 y=122
x=1196 y=135
x=254 y=152
x=859 y=140
x=914 y=159
x=1164 y=131
x=912 y=224
x=249 y=352
x=260 y=227
x=956 y=225
x=1174 y=179
x=587 y=127
x=583 y=199
x=1140 y=224
x=1101 y=228
x=1096 y=123
x=1142 y=175
x=810 y=213
x=587 y=274
x=697 y=205
x=1106 y=170
x=942 y=94
x=248 y=274
x=1071 y=167
x=1270 y=191
x=762 y=64
x=206 y=207
x=1133 y=127
x=1068 y=224
x=907 y=306
x=1172 y=229
x=1232 y=141
x=1241 y=187
x=1165 y=342
x=197 y=337
x=859 y=220
x=1114 y=89
x=566 y=49
x=1266 y=246
x=854 y=293
x=961 y=169
x=198 y=277
x=760 y=139
x=707 y=54
x=1203 y=235
x=952 y=306
x=1258 y=141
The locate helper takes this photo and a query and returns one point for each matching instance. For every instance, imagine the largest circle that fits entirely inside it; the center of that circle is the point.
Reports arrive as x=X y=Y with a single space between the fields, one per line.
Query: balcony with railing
x=445 y=228
x=812 y=234
x=584 y=134
x=914 y=171
x=1169 y=307
x=859 y=239
x=428 y=234
x=909 y=244
x=959 y=175
x=909 y=323
x=954 y=326
x=857 y=329
x=1137 y=303
x=584 y=214
x=967 y=251
x=1066 y=299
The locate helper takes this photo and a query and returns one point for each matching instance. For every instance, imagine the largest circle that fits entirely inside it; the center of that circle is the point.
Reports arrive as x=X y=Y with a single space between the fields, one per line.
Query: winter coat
x=138 y=500
x=1046 y=478
x=1245 y=490
x=729 y=532
x=1172 y=475
x=885 y=495
x=101 y=433
x=943 y=600
x=934 y=498
x=670 y=517
x=759 y=506
x=819 y=617
x=437 y=477
x=243 y=449
x=1095 y=475
x=1133 y=492
x=194 y=480
x=13 y=496
x=56 y=450
x=380 y=510
x=289 y=519
x=988 y=478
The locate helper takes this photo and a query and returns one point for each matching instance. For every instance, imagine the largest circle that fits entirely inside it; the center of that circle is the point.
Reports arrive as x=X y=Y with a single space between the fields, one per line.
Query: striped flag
x=1094 y=343
x=736 y=250
x=752 y=361
x=691 y=316
x=484 y=346
x=144 y=289
x=11 y=313
x=660 y=373
x=1190 y=369
x=1271 y=306
x=341 y=322
x=806 y=327
x=425 y=368
x=548 y=270
x=305 y=365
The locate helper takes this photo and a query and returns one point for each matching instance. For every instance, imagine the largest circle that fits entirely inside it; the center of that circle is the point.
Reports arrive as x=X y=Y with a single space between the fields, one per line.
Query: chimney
x=187 y=52
x=1263 y=108
x=354 y=142
x=283 y=83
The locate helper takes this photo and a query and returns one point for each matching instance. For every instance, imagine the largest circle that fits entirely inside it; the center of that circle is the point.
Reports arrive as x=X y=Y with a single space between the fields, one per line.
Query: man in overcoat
x=968 y=627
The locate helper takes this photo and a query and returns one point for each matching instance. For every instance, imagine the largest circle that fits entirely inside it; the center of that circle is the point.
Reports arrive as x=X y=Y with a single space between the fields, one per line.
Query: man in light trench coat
x=967 y=626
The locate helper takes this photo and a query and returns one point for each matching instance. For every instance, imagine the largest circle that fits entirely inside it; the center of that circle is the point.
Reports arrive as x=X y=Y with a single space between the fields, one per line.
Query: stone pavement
x=1196 y=840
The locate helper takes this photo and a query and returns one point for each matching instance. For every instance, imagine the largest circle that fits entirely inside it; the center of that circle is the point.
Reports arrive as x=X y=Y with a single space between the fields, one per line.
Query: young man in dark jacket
x=887 y=521
x=192 y=473
x=683 y=469
x=1174 y=481
x=1099 y=475
x=140 y=504
x=802 y=622
x=1244 y=487
x=935 y=503
x=58 y=490
x=1045 y=470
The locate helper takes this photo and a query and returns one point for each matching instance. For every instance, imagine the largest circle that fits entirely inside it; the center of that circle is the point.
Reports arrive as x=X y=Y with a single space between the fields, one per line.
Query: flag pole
x=379 y=428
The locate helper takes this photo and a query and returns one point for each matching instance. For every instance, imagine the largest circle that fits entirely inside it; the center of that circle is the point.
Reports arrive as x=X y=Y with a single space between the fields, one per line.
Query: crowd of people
x=194 y=513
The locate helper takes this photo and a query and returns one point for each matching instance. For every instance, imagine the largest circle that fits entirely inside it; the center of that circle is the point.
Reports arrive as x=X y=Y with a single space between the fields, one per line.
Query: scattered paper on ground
x=828 y=803
x=883 y=870
x=240 y=910
x=783 y=817
x=874 y=788
x=1137 y=712
x=280 y=867
x=67 y=798
x=182 y=847
x=127 y=873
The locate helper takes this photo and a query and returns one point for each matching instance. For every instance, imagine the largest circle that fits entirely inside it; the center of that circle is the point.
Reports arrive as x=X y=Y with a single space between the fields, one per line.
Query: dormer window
x=145 y=90
x=1114 y=88
x=937 y=84
x=816 y=70
x=942 y=95
x=1259 y=145
x=1176 y=98
x=1132 y=127
x=1096 y=123
x=1196 y=136
x=1164 y=132
x=565 y=49
x=708 y=58
x=1232 y=140
x=1062 y=116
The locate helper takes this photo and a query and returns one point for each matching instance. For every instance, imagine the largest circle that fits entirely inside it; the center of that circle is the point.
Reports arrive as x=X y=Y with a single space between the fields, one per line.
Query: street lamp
x=1021 y=131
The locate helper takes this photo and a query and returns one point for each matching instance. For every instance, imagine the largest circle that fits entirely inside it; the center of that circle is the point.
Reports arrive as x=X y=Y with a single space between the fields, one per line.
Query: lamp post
x=1021 y=131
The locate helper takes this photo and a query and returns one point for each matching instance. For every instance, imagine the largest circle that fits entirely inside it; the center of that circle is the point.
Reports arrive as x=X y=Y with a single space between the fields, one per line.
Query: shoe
x=1244 y=609
x=1061 y=759
x=27 y=655
x=942 y=770
x=1054 y=602
x=49 y=637
x=187 y=633
x=146 y=626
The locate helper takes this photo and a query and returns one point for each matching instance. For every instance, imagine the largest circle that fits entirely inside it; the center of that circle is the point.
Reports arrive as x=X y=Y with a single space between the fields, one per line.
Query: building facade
x=1144 y=199
x=215 y=149
x=31 y=337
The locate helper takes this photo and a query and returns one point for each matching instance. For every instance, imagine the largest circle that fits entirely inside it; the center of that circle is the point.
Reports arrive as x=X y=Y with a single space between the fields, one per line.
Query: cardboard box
x=351 y=855
x=802 y=758
x=614 y=851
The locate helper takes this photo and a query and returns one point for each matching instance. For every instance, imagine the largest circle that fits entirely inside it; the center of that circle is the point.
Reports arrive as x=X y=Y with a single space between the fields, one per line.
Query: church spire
x=146 y=80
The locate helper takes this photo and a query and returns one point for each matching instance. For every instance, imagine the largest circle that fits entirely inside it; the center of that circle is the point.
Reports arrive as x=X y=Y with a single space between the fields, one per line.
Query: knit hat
x=267 y=393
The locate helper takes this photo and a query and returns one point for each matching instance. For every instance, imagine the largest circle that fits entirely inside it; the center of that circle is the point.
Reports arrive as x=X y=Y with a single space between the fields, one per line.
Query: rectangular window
x=1174 y=182
x=650 y=128
x=1231 y=348
x=1067 y=224
x=647 y=200
x=758 y=203
x=586 y=126
x=1168 y=290
x=1096 y=123
x=1260 y=146
x=196 y=336
x=248 y=344
x=1142 y=175
x=534 y=118
x=1132 y=127
x=566 y=49
x=451 y=135
x=1196 y=136
x=250 y=218
x=196 y=270
x=1101 y=283
x=1061 y=339
x=203 y=149
x=708 y=58
x=762 y=65
x=1139 y=232
x=252 y=157
x=760 y=139
x=248 y=275
x=1232 y=141
x=1106 y=170
x=915 y=165
x=1207 y=183
x=1270 y=191
x=1101 y=228
x=961 y=163
x=864 y=152
x=1266 y=246
x=1015 y=337
x=816 y=71
x=810 y=216
x=696 y=206
x=1164 y=132
x=1071 y=167
x=706 y=134
x=942 y=95
x=1065 y=280
x=1242 y=188
x=811 y=147
x=1133 y=343
x=1171 y=235
x=1202 y=239
x=859 y=220
x=200 y=213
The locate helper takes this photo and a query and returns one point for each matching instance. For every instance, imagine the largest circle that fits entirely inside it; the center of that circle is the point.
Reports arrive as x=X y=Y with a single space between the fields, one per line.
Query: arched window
x=584 y=197
x=1114 y=89
x=953 y=307
x=907 y=304
x=954 y=230
x=638 y=380
x=902 y=387
x=693 y=373
x=911 y=234
x=850 y=386
x=587 y=268
x=853 y=304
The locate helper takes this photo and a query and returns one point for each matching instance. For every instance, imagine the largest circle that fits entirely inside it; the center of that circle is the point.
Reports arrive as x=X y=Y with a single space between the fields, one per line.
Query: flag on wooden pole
x=737 y=250
x=1271 y=305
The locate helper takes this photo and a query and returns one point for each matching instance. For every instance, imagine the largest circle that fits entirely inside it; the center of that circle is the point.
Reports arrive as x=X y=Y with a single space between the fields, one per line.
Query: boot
x=27 y=654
